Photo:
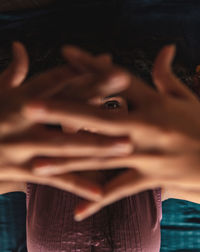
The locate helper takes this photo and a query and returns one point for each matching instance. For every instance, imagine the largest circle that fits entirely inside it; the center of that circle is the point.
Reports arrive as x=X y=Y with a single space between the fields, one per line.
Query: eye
x=112 y=105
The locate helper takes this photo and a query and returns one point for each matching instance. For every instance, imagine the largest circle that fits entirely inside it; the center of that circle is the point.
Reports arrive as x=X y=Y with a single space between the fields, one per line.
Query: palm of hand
x=21 y=140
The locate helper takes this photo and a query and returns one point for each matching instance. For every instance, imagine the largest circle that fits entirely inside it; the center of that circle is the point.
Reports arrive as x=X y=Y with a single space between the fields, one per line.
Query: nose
x=70 y=129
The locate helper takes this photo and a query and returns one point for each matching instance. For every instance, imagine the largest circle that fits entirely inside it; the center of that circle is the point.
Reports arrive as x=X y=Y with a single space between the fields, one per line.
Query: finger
x=87 y=87
x=153 y=165
x=79 y=88
x=65 y=145
x=74 y=113
x=88 y=62
x=147 y=164
x=63 y=78
x=78 y=185
x=67 y=182
x=117 y=79
x=127 y=184
x=139 y=127
x=17 y=71
x=49 y=83
x=82 y=59
x=164 y=78
x=52 y=166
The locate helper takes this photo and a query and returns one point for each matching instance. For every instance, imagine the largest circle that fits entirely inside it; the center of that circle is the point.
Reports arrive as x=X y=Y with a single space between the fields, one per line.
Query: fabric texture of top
x=180 y=226
x=129 y=225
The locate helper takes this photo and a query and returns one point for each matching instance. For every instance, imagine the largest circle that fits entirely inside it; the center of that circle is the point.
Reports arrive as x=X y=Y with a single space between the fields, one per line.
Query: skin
x=168 y=143
x=163 y=126
x=23 y=141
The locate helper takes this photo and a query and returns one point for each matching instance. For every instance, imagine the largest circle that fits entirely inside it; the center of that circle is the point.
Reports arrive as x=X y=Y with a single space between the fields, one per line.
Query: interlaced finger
x=85 y=61
x=109 y=75
x=51 y=166
x=63 y=145
x=78 y=114
x=142 y=128
x=127 y=184
x=73 y=183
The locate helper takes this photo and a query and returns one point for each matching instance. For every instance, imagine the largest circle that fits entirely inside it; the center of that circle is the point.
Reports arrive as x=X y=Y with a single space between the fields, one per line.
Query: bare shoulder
x=6 y=187
x=176 y=193
x=164 y=194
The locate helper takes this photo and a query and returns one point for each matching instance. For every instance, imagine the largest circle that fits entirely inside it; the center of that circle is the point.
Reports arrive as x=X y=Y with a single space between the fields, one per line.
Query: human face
x=114 y=104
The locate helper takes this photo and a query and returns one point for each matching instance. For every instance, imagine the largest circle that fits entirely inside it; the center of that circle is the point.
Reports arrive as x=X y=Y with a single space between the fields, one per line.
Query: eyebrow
x=111 y=96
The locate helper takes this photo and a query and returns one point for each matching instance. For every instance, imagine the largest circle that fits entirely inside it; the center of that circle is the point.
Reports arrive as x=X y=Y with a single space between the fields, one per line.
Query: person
x=43 y=201
x=159 y=137
x=24 y=145
x=93 y=244
x=186 y=187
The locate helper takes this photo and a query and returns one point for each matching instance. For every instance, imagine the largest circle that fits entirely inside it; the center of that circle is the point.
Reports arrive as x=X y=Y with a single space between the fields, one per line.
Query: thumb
x=165 y=80
x=17 y=71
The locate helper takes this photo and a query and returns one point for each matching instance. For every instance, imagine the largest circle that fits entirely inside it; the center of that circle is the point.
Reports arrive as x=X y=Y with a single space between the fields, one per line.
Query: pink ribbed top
x=129 y=225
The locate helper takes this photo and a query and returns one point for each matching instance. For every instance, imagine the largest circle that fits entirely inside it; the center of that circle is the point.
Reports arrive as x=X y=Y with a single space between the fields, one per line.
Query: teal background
x=13 y=222
x=180 y=226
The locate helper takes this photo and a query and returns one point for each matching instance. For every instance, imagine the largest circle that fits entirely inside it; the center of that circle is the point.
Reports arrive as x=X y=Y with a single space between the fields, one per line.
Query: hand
x=22 y=143
x=164 y=128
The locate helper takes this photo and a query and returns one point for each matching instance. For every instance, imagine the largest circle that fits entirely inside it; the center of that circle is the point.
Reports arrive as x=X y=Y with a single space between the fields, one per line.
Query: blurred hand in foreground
x=23 y=143
x=164 y=128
